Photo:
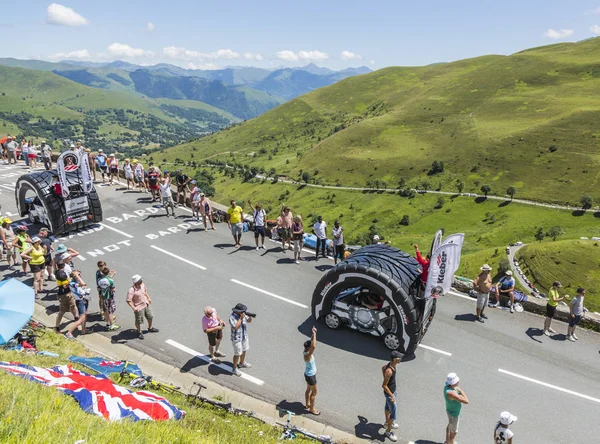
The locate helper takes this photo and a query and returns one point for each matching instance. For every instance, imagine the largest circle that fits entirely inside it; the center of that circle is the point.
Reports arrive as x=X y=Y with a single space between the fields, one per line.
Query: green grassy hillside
x=528 y=120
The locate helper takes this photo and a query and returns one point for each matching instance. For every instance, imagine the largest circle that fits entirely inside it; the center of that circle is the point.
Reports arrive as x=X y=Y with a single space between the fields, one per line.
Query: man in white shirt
x=320 y=230
x=11 y=149
x=167 y=194
x=260 y=218
x=338 y=241
x=502 y=433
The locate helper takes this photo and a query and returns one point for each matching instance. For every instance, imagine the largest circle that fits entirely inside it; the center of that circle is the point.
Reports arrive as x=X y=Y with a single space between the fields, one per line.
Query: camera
x=252 y=315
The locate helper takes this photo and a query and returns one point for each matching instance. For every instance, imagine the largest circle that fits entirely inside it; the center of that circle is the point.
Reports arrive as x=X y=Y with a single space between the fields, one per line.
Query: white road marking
x=453 y=293
x=437 y=350
x=8 y=187
x=545 y=384
x=235 y=281
x=178 y=257
x=116 y=231
x=206 y=358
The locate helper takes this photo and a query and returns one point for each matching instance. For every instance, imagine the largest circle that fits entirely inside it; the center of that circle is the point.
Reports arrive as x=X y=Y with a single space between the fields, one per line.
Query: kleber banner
x=441 y=270
x=457 y=239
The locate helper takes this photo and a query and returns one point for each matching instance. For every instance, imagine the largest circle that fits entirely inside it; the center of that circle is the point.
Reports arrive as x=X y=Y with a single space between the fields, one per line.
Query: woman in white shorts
x=128 y=171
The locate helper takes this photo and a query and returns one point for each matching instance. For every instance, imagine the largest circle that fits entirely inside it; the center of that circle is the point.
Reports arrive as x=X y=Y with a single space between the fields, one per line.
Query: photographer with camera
x=213 y=327
x=239 y=336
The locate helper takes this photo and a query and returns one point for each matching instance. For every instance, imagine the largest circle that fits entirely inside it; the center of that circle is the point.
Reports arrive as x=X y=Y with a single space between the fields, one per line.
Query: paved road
x=506 y=364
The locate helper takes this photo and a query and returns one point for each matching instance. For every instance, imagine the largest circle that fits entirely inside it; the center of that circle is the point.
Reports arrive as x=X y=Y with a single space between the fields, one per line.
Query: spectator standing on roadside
x=32 y=154
x=11 y=150
x=25 y=151
x=91 y=161
x=22 y=242
x=320 y=230
x=181 y=180
x=389 y=391
x=377 y=241
x=101 y=265
x=206 y=211
x=285 y=227
x=107 y=293
x=310 y=374
x=195 y=199
x=298 y=238
x=48 y=260
x=576 y=313
x=167 y=194
x=46 y=152
x=213 y=326
x=482 y=286
x=139 y=300
x=553 y=299
x=128 y=172
x=235 y=219
x=138 y=174
x=455 y=397
x=239 y=337
x=502 y=433
x=101 y=163
x=81 y=295
x=36 y=256
x=506 y=286
x=338 y=241
x=260 y=218
x=66 y=300
x=424 y=262
x=113 y=164
x=8 y=238
x=153 y=180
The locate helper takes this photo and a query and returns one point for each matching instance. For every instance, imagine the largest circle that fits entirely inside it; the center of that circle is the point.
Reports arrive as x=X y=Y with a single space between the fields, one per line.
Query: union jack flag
x=98 y=395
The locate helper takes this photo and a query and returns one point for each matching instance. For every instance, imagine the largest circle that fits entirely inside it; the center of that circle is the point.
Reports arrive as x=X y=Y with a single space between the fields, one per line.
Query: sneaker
x=153 y=330
x=262 y=246
x=113 y=327
x=575 y=337
x=571 y=338
x=395 y=426
x=484 y=316
x=236 y=372
x=257 y=248
x=512 y=310
x=391 y=436
x=480 y=319
x=215 y=360
x=140 y=336
x=244 y=365
x=551 y=330
x=69 y=335
x=219 y=354
x=547 y=333
x=297 y=262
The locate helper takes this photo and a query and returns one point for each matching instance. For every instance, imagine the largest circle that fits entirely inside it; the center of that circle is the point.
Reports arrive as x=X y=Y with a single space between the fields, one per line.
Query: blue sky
x=333 y=33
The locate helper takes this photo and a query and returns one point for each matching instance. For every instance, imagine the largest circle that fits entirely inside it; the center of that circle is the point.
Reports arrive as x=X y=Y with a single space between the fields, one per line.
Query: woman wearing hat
x=206 y=211
x=8 y=238
x=113 y=163
x=195 y=199
x=22 y=242
x=553 y=299
x=66 y=301
x=502 y=433
x=482 y=286
x=128 y=171
x=36 y=255
x=138 y=175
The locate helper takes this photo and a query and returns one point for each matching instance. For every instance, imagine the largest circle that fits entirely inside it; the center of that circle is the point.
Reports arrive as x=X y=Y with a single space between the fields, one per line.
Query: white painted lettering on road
x=206 y=358
x=235 y=281
x=171 y=230
x=117 y=231
x=545 y=384
x=178 y=257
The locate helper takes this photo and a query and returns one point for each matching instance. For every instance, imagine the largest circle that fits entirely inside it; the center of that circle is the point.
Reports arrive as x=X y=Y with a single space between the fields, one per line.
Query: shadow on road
x=324 y=267
x=144 y=200
x=153 y=216
x=223 y=246
x=286 y=260
x=124 y=335
x=532 y=332
x=193 y=230
x=559 y=337
x=294 y=407
x=426 y=441
x=192 y=364
x=369 y=430
x=469 y=317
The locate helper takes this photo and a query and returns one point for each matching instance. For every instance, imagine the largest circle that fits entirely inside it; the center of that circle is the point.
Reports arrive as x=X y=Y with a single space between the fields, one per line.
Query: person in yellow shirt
x=553 y=299
x=36 y=255
x=235 y=220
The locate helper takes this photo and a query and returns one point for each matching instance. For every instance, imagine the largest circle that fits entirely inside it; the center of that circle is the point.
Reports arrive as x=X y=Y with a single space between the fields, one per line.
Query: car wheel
x=333 y=321
x=391 y=341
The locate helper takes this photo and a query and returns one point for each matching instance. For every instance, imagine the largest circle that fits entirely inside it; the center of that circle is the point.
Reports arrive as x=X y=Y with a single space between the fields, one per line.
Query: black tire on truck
x=41 y=184
x=388 y=272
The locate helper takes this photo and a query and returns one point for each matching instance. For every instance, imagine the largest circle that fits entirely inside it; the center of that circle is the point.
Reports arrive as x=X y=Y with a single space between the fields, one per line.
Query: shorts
x=129 y=176
x=181 y=188
x=259 y=231
x=167 y=202
x=103 y=169
x=452 y=423
x=550 y=310
x=143 y=313
x=66 y=303
x=48 y=261
x=153 y=187
x=285 y=234
x=114 y=170
x=575 y=321
x=237 y=229
x=311 y=380
x=391 y=406
x=339 y=251
x=482 y=300
x=212 y=337
x=109 y=305
x=36 y=268
x=32 y=156
x=82 y=306
x=240 y=347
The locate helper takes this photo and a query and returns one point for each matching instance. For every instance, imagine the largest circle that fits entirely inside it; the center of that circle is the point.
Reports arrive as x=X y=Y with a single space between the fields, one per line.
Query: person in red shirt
x=424 y=262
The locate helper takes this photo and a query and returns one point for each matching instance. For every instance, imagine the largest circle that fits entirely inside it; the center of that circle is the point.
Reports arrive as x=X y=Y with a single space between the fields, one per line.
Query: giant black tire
x=388 y=272
x=41 y=183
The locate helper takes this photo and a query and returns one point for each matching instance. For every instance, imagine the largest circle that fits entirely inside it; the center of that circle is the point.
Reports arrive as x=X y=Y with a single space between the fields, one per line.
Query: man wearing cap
x=8 y=237
x=181 y=180
x=113 y=168
x=11 y=149
x=65 y=258
x=576 y=311
x=239 y=337
x=455 y=398
x=482 y=286
x=377 y=241
x=139 y=300
x=502 y=433
x=66 y=300
x=167 y=194
x=389 y=391
x=213 y=326
x=107 y=294
x=46 y=155
x=47 y=243
x=506 y=286
x=101 y=163
x=553 y=299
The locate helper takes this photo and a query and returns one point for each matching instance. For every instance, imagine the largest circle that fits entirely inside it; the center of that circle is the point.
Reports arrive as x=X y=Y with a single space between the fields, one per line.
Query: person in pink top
x=213 y=327
x=139 y=300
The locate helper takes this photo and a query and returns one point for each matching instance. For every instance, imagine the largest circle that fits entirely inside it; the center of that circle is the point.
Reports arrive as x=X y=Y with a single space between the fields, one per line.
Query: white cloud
x=179 y=53
x=80 y=54
x=203 y=66
x=311 y=56
x=64 y=16
x=556 y=34
x=150 y=27
x=348 y=55
x=372 y=62
x=122 y=50
x=251 y=56
x=595 y=29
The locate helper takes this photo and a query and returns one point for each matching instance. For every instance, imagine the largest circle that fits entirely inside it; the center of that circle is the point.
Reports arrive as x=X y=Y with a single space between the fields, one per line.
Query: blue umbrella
x=16 y=307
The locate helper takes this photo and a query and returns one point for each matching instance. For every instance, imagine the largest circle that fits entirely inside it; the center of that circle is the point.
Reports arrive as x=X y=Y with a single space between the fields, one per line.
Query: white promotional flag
x=437 y=240
x=441 y=274
x=457 y=239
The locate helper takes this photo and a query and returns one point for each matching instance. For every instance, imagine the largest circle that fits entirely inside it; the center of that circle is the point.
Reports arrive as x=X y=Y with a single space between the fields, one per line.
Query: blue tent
x=16 y=307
